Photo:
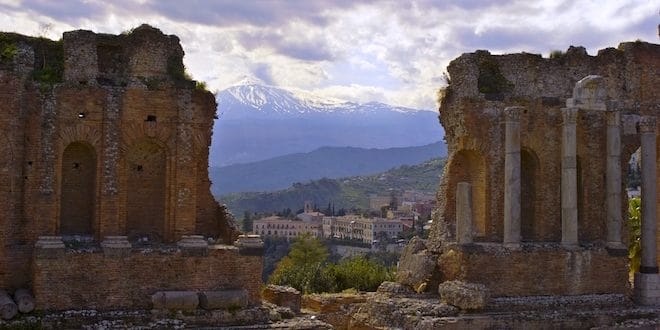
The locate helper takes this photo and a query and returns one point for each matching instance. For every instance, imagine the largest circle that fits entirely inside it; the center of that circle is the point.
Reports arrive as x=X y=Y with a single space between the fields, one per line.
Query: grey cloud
x=257 y=13
x=65 y=10
x=264 y=72
x=310 y=49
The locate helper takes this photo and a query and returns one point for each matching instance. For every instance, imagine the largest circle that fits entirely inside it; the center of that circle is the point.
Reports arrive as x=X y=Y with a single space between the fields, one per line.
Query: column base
x=512 y=246
x=647 y=289
x=616 y=245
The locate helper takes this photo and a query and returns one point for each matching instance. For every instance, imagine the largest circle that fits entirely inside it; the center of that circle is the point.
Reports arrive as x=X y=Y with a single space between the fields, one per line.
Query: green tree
x=304 y=267
x=360 y=273
x=635 y=232
x=246 y=225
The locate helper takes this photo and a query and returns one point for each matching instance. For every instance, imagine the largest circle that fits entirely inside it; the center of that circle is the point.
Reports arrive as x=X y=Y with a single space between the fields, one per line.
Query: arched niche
x=146 y=184
x=78 y=189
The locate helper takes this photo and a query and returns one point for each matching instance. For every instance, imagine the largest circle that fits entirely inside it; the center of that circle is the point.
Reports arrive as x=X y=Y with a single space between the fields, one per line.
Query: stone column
x=613 y=181
x=647 y=127
x=569 y=213
x=463 y=213
x=512 y=177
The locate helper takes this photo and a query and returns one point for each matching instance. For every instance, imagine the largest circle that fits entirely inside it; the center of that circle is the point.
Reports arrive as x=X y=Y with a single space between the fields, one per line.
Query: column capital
x=513 y=113
x=614 y=118
x=569 y=115
x=647 y=124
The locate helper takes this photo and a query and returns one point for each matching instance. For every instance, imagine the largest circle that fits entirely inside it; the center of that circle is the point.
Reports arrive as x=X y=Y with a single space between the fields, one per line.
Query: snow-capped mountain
x=253 y=99
x=257 y=121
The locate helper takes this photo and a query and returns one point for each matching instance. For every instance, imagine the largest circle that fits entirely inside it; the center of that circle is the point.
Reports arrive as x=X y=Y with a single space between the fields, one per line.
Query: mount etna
x=257 y=121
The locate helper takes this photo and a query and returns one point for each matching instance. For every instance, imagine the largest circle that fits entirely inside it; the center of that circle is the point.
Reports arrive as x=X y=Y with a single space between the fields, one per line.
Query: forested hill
x=327 y=162
x=347 y=193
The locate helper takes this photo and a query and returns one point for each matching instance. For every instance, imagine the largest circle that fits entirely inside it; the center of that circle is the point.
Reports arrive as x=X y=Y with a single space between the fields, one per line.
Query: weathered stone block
x=463 y=295
x=251 y=245
x=282 y=296
x=416 y=265
x=226 y=299
x=175 y=300
x=193 y=245
x=394 y=288
x=116 y=246
x=49 y=247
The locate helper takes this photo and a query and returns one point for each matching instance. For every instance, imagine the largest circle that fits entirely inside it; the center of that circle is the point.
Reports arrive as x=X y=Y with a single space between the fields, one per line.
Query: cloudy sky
x=389 y=51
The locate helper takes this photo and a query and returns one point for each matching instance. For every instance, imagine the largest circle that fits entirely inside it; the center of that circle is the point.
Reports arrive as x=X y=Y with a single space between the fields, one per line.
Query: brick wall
x=536 y=269
x=78 y=279
x=474 y=125
x=119 y=95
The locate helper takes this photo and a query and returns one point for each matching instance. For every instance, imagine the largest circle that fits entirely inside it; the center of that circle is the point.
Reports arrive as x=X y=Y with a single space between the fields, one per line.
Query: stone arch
x=78 y=189
x=469 y=166
x=146 y=190
x=529 y=195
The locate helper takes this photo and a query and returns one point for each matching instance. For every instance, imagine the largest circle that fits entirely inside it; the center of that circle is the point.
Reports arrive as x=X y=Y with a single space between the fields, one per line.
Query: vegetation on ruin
x=8 y=49
x=491 y=80
x=49 y=61
x=635 y=233
x=557 y=54
x=307 y=268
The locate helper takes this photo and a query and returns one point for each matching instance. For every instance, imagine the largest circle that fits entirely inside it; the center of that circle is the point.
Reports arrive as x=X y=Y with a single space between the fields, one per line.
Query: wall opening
x=469 y=166
x=529 y=180
x=78 y=189
x=146 y=185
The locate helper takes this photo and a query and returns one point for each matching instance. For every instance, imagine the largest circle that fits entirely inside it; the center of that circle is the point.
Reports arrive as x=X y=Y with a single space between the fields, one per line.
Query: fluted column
x=569 y=212
x=512 y=176
x=613 y=181
x=647 y=128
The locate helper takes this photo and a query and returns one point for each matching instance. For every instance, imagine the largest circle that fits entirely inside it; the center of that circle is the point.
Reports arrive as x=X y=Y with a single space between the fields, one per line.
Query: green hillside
x=347 y=193
x=327 y=162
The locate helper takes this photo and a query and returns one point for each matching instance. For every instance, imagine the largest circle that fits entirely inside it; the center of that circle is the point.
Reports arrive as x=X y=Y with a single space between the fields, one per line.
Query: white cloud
x=386 y=51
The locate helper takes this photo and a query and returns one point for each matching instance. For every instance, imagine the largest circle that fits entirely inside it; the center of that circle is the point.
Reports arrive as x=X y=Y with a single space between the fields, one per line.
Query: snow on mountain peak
x=251 y=95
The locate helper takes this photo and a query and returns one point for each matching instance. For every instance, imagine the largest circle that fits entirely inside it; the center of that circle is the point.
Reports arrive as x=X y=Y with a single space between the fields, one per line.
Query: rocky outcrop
x=394 y=288
x=416 y=266
x=383 y=311
x=334 y=308
x=467 y=296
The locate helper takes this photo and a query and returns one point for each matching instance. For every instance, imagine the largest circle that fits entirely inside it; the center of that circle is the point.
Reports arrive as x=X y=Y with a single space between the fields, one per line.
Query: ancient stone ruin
x=532 y=200
x=103 y=167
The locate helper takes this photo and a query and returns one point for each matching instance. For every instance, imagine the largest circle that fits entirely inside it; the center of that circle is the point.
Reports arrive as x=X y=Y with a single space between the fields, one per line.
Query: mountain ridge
x=330 y=162
x=258 y=122
x=347 y=192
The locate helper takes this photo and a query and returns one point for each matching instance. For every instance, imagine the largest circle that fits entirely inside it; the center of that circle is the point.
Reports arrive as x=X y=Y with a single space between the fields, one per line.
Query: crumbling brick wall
x=482 y=85
x=115 y=115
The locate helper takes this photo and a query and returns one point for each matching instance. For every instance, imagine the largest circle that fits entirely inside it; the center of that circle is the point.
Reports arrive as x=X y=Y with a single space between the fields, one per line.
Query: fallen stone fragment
x=282 y=296
x=24 y=300
x=8 y=308
x=175 y=300
x=467 y=296
x=226 y=299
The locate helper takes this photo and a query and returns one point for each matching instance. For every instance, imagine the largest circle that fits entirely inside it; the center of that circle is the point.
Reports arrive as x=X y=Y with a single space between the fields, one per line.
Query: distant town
x=389 y=219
